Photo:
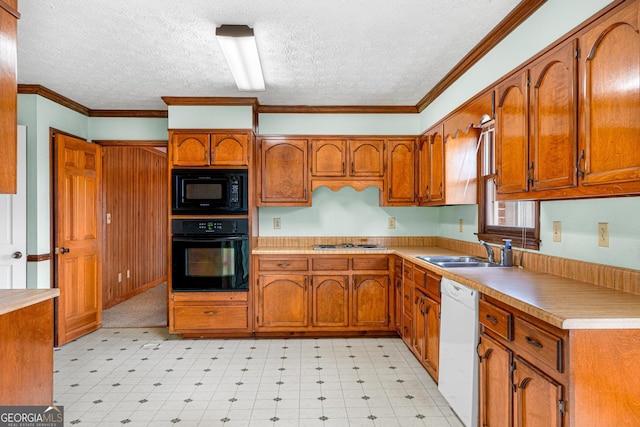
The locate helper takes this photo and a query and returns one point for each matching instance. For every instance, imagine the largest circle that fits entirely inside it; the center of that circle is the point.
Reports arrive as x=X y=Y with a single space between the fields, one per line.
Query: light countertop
x=16 y=299
x=562 y=302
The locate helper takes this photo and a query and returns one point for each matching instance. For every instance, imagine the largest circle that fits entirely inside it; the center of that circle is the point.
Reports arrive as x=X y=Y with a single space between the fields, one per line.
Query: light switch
x=276 y=223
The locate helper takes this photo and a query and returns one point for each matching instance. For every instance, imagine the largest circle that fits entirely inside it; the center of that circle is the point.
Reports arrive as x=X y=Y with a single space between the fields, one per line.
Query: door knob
x=64 y=250
x=17 y=255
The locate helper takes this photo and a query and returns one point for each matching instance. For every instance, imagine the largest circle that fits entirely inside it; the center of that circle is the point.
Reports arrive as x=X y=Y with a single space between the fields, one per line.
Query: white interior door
x=13 y=225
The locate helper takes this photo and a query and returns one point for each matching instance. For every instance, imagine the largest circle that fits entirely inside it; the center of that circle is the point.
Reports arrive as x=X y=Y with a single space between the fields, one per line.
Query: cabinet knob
x=211 y=313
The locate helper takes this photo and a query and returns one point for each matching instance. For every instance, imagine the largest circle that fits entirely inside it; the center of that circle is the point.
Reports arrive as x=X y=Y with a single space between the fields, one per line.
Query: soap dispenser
x=506 y=254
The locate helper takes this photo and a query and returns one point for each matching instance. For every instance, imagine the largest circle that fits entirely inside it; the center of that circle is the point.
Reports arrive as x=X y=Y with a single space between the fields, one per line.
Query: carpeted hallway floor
x=146 y=310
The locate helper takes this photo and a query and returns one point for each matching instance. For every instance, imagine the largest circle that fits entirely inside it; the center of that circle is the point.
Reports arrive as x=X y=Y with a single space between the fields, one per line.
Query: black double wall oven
x=210 y=247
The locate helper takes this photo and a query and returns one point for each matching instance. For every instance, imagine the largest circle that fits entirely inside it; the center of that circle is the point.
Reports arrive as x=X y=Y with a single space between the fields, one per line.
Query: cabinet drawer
x=210 y=317
x=419 y=277
x=330 y=263
x=283 y=264
x=370 y=263
x=406 y=294
x=407 y=270
x=540 y=345
x=496 y=319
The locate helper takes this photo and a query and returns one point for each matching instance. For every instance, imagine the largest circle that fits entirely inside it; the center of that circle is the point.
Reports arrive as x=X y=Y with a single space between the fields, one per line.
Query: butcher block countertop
x=562 y=302
x=16 y=299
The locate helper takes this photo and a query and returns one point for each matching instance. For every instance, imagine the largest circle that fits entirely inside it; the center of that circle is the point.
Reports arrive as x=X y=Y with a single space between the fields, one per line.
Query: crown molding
x=154 y=114
x=337 y=109
x=211 y=100
x=517 y=16
x=53 y=96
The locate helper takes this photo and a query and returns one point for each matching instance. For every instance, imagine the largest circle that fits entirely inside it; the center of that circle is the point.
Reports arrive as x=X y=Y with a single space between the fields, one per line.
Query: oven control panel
x=199 y=227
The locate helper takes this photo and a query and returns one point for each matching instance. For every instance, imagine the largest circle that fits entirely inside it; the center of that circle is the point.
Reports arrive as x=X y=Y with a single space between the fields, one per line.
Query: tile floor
x=147 y=377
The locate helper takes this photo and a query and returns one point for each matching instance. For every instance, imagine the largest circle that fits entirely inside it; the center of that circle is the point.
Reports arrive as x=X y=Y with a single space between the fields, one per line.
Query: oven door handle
x=208 y=239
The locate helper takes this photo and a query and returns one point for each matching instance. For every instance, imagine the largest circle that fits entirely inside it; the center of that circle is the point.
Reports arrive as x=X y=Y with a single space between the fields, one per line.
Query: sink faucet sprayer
x=489 y=250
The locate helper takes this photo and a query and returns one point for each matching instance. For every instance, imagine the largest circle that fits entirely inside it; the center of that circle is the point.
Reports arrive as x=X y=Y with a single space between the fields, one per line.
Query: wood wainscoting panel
x=135 y=201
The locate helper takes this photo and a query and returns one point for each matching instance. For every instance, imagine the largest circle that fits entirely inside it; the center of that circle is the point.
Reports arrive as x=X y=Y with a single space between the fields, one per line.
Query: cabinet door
x=283 y=165
x=423 y=172
x=496 y=396
x=329 y=301
x=329 y=157
x=282 y=301
x=436 y=167
x=512 y=135
x=419 y=332
x=229 y=149
x=431 y=355
x=366 y=158
x=9 y=101
x=397 y=277
x=538 y=401
x=190 y=149
x=370 y=300
x=553 y=119
x=610 y=110
x=400 y=182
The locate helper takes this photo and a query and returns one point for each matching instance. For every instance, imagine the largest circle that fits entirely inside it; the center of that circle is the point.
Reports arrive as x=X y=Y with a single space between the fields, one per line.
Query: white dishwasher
x=458 y=371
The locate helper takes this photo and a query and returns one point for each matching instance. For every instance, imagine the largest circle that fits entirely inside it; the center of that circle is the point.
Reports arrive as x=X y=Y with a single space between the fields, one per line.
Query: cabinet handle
x=284 y=265
x=211 y=313
x=441 y=193
x=342 y=168
x=580 y=173
x=530 y=175
x=492 y=319
x=533 y=342
x=352 y=168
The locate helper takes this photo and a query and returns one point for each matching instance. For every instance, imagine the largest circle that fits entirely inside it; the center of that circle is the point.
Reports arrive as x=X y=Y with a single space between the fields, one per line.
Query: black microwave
x=209 y=191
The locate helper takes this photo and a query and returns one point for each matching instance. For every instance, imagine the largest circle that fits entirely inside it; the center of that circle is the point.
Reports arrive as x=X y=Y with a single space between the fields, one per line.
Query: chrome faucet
x=489 y=251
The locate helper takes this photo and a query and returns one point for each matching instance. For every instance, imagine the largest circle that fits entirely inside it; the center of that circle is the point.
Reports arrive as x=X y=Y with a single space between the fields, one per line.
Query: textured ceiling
x=126 y=54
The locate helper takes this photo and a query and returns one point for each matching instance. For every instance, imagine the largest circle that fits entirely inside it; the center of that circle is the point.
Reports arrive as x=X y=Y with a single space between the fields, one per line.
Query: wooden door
x=229 y=149
x=282 y=301
x=366 y=158
x=190 y=149
x=554 y=119
x=496 y=396
x=512 y=134
x=330 y=301
x=400 y=182
x=419 y=324
x=610 y=110
x=283 y=172
x=436 y=167
x=370 y=300
x=431 y=355
x=77 y=237
x=328 y=157
x=538 y=398
x=423 y=170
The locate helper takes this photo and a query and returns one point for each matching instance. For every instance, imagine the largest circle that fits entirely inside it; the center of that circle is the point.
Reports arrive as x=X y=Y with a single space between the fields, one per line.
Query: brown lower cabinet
x=300 y=294
x=209 y=313
x=534 y=374
x=421 y=315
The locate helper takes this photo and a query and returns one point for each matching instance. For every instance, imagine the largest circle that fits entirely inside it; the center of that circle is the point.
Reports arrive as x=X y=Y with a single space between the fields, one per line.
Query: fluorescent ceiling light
x=239 y=47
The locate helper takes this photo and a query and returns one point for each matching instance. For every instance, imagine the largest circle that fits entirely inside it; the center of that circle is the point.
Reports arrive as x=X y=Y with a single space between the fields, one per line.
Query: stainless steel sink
x=458 y=261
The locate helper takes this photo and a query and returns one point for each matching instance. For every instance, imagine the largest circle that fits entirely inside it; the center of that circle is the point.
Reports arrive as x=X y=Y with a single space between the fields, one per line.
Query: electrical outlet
x=277 y=223
x=460 y=225
x=603 y=234
x=557 y=231
x=391 y=222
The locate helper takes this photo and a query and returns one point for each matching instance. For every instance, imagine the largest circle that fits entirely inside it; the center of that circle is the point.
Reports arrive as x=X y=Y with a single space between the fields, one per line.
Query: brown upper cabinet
x=8 y=99
x=430 y=167
x=194 y=149
x=536 y=124
x=567 y=122
x=283 y=177
x=400 y=182
x=337 y=162
x=609 y=140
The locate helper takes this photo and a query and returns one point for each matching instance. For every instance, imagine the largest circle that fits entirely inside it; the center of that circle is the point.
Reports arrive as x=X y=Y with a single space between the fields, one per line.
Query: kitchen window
x=503 y=219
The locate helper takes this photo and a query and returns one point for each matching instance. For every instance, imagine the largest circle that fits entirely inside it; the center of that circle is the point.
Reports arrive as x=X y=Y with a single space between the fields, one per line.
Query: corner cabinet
x=325 y=293
x=283 y=175
x=201 y=149
x=8 y=97
x=430 y=168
